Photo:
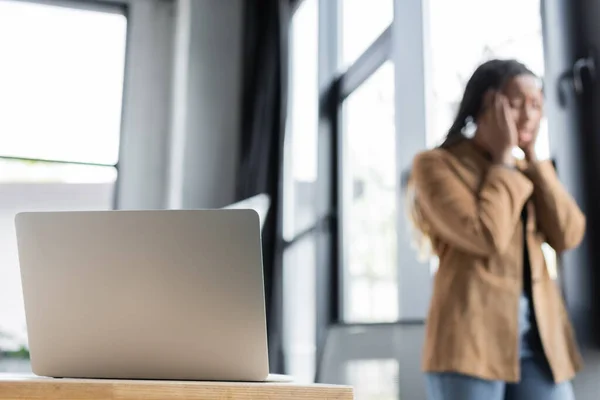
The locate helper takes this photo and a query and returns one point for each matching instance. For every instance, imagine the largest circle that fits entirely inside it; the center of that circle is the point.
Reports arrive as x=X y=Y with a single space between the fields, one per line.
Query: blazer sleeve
x=559 y=217
x=480 y=223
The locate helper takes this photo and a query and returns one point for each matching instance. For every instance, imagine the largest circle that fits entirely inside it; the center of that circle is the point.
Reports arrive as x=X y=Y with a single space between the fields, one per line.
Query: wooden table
x=30 y=387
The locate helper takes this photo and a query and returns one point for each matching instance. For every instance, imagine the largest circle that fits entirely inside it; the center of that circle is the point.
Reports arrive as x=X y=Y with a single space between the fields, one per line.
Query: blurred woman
x=497 y=327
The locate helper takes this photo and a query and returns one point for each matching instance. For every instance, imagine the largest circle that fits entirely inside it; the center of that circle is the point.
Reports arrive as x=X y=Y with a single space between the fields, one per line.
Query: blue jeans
x=536 y=378
x=536 y=383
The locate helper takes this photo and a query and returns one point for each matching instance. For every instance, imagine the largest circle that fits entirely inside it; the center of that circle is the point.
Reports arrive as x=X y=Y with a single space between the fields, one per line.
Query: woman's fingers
x=499 y=120
x=508 y=123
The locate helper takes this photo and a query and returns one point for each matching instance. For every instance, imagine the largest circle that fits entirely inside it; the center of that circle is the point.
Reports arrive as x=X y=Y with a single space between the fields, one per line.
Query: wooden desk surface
x=14 y=387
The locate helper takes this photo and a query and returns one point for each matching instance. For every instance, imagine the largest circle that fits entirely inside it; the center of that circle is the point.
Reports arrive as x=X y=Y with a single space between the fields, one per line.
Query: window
x=369 y=178
x=300 y=179
x=62 y=77
x=362 y=22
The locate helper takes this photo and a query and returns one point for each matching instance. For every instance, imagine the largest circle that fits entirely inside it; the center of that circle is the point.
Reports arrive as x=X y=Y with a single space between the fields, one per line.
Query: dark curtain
x=264 y=105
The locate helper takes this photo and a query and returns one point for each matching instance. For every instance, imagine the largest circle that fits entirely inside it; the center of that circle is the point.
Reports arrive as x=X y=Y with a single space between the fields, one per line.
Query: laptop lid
x=144 y=294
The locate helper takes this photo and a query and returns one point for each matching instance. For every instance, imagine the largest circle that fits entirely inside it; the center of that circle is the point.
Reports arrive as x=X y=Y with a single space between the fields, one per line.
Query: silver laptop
x=172 y=295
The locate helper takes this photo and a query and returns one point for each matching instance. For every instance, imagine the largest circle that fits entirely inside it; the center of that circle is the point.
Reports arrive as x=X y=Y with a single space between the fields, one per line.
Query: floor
x=382 y=362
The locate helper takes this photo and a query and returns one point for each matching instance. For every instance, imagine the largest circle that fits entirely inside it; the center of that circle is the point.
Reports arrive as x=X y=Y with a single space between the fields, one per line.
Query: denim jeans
x=536 y=378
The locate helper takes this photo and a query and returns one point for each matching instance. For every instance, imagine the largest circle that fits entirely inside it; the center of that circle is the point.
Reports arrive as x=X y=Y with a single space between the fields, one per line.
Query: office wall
x=213 y=103
x=182 y=104
x=146 y=105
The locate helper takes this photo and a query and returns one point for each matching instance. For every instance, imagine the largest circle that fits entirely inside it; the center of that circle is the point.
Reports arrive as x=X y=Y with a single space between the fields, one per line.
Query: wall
x=583 y=145
x=146 y=105
x=182 y=104
x=213 y=104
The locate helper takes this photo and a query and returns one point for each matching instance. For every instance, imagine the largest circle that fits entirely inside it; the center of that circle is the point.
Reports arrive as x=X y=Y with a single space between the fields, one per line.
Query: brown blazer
x=471 y=210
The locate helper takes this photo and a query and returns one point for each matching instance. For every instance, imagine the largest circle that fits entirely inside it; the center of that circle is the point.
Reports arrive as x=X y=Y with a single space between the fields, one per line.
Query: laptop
x=158 y=295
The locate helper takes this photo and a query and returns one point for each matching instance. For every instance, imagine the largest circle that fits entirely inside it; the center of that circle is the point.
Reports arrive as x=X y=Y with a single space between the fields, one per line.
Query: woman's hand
x=529 y=150
x=498 y=130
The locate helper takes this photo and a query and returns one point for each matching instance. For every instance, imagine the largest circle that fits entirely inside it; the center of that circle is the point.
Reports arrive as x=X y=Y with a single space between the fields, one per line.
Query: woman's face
x=527 y=106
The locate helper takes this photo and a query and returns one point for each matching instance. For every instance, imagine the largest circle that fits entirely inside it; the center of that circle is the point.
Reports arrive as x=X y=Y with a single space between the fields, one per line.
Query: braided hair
x=493 y=74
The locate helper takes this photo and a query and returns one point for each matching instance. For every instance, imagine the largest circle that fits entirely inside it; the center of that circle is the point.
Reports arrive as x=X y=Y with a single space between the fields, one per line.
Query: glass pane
x=299 y=309
x=62 y=81
x=37 y=186
x=452 y=65
x=369 y=179
x=362 y=22
x=300 y=164
x=374 y=379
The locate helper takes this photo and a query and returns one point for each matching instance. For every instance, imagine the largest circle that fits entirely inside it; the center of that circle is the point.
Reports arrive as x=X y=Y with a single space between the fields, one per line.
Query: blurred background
x=321 y=104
